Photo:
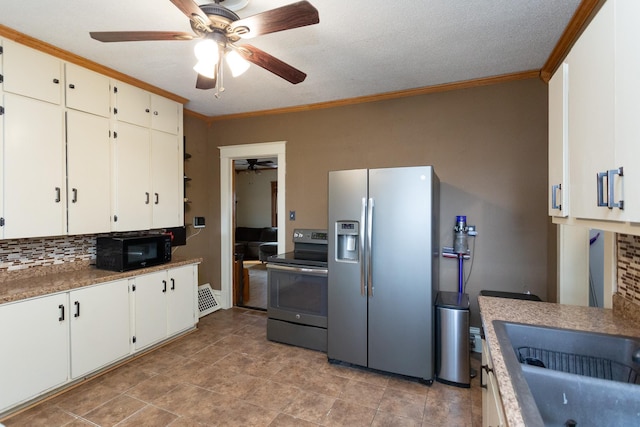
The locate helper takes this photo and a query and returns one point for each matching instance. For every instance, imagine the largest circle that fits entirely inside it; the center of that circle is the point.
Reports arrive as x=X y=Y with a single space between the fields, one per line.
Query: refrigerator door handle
x=363 y=212
x=369 y=245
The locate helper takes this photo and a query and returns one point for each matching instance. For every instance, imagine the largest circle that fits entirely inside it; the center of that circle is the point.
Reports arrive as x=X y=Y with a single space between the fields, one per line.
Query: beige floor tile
x=228 y=374
x=345 y=413
x=149 y=416
x=362 y=393
x=114 y=411
x=403 y=403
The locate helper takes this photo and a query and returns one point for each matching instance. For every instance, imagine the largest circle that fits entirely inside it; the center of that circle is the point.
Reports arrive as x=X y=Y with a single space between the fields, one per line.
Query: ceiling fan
x=255 y=165
x=219 y=28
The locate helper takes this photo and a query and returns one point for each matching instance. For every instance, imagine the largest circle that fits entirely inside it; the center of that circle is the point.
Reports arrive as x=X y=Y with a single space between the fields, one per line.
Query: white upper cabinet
x=604 y=92
x=132 y=178
x=558 y=143
x=88 y=173
x=87 y=90
x=33 y=168
x=131 y=104
x=165 y=114
x=31 y=73
x=166 y=180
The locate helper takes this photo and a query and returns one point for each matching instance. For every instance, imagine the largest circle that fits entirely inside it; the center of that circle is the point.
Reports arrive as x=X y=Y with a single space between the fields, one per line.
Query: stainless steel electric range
x=297 y=292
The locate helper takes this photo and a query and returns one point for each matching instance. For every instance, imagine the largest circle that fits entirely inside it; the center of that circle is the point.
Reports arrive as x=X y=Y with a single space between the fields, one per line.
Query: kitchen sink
x=564 y=377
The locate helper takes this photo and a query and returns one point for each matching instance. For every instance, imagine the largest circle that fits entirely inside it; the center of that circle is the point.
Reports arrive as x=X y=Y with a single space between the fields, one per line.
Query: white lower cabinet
x=99 y=324
x=492 y=410
x=165 y=304
x=35 y=348
x=47 y=342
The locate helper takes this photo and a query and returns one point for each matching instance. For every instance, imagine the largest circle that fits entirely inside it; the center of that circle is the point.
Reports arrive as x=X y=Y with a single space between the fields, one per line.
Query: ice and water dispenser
x=347 y=241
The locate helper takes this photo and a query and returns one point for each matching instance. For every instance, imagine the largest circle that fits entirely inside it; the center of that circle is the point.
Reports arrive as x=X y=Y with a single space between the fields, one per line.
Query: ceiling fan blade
x=192 y=11
x=271 y=63
x=136 y=36
x=205 y=82
x=282 y=18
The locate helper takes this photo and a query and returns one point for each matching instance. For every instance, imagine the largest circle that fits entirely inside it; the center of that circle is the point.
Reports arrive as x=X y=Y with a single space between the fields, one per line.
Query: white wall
x=253 y=198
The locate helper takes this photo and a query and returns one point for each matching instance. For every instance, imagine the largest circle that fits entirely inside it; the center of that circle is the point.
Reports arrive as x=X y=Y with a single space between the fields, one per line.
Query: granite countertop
x=59 y=278
x=545 y=314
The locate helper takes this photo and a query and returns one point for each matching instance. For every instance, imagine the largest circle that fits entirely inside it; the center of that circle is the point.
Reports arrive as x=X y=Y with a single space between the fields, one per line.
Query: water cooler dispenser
x=348 y=241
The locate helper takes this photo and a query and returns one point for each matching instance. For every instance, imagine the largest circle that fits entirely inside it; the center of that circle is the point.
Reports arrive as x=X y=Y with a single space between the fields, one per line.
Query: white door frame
x=228 y=154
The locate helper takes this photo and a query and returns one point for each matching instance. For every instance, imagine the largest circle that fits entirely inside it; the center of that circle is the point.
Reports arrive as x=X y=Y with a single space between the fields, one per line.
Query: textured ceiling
x=359 y=48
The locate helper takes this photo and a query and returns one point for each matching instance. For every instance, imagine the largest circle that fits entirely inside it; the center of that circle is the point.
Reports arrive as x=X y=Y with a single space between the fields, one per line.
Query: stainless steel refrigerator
x=383 y=268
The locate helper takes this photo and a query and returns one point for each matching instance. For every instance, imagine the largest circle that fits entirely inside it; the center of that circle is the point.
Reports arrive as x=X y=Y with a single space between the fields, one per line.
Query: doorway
x=255 y=229
x=227 y=203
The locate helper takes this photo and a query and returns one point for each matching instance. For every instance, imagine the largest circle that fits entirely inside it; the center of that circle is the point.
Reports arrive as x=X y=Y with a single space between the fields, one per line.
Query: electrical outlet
x=292 y=215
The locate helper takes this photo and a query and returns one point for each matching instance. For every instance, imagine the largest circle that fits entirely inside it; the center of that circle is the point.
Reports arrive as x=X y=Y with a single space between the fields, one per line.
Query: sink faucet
x=636 y=356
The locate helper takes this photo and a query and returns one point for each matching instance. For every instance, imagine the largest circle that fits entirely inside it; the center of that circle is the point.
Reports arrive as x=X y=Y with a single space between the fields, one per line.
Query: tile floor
x=227 y=374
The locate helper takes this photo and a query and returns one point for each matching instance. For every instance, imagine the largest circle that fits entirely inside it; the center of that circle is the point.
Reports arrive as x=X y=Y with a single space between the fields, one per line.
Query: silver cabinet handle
x=316 y=271
x=554 y=199
x=610 y=181
x=369 y=246
x=57 y=194
x=74 y=197
x=362 y=262
x=600 y=188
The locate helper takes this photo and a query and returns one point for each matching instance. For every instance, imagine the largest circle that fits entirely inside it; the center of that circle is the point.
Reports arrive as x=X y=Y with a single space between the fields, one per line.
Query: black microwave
x=130 y=253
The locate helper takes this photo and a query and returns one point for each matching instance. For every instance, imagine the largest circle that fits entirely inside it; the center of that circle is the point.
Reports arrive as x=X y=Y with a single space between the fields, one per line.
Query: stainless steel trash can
x=452 y=339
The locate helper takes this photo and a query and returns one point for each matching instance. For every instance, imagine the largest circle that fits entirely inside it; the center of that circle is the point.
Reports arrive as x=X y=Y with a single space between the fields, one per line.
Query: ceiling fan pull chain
x=220 y=73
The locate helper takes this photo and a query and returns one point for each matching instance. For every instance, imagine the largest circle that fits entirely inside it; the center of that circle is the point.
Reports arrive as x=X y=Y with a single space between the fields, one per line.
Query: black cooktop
x=301 y=258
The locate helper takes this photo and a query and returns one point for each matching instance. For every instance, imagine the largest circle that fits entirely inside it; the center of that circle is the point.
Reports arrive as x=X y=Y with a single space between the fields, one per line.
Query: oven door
x=297 y=294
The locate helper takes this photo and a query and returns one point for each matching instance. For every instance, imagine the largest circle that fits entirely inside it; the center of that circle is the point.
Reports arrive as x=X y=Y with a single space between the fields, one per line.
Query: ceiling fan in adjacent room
x=254 y=165
x=219 y=28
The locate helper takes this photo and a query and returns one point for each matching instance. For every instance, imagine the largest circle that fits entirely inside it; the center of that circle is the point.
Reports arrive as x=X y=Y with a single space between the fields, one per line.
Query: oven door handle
x=305 y=270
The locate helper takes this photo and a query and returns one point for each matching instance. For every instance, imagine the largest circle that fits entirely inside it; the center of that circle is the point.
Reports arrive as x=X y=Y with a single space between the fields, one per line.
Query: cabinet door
x=34 y=168
x=150 y=308
x=627 y=147
x=181 y=299
x=99 y=323
x=132 y=104
x=558 y=142
x=87 y=90
x=89 y=173
x=132 y=178
x=31 y=73
x=591 y=114
x=164 y=114
x=492 y=411
x=166 y=180
x=35 y=348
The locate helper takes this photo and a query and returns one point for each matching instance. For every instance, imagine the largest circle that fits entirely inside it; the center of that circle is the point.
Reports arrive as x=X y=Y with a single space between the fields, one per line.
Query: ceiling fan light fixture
x=206 y=68
x=237 y=64
x=206 y=50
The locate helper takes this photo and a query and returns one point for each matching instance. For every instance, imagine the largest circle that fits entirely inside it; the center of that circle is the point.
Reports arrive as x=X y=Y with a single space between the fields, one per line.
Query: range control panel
x=302 y=235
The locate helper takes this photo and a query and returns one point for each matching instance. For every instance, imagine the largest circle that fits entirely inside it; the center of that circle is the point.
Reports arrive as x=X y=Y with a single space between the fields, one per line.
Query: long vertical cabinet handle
x=369 y=246
x=600 y=188
x=554 y=196
x=363 y=217
x=610 y=181
x=77 y=304
x=61 y=308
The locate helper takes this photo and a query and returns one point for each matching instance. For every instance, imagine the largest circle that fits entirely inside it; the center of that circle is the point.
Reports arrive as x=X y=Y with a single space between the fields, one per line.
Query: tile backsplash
x=629 y=267
x=626 y=301
x=21 y=254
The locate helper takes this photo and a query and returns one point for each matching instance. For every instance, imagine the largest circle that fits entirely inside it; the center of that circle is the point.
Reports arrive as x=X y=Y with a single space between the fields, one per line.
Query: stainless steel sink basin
x=565 y=377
